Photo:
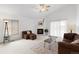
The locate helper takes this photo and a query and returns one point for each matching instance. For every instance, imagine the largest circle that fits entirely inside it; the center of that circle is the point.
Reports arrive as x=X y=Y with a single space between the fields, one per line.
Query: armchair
x=66 y=46
x=28 y=35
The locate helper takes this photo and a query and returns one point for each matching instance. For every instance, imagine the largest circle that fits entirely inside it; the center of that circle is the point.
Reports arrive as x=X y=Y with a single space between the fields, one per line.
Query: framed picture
x=40 y=31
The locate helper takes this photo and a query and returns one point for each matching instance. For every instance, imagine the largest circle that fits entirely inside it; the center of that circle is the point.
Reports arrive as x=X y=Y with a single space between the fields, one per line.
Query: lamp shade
x=5 y=21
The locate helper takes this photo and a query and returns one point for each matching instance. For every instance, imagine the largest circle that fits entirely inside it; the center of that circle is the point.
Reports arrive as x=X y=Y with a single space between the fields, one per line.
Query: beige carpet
x=40 y=49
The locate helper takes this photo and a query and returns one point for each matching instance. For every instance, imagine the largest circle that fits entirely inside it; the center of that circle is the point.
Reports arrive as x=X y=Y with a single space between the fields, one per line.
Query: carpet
x=40 y=49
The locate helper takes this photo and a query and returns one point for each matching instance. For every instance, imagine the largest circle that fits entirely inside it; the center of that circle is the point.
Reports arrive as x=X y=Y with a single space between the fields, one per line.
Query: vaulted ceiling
x=27 y=10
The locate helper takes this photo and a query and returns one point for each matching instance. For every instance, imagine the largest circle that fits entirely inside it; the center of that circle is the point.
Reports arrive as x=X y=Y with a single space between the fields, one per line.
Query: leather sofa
x=65 y=47
x=30 y=35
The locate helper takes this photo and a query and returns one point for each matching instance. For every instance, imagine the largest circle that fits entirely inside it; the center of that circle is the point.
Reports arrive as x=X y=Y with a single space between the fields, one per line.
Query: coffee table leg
x=49 y=46
x=44 y=44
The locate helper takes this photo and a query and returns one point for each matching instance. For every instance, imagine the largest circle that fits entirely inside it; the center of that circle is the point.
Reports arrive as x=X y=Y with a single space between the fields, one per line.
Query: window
x=13 y=26
x=58 y=28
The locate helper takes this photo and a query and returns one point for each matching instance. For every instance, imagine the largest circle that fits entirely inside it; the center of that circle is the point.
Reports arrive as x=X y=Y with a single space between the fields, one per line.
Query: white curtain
x=58 y=28
x=13 y=26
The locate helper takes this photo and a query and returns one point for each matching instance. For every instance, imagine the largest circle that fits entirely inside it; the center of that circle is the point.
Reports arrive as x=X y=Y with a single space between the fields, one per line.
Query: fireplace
x=40 y=31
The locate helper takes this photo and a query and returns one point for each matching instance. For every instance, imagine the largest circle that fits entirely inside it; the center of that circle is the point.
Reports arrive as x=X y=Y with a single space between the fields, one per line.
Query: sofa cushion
x=67 y=41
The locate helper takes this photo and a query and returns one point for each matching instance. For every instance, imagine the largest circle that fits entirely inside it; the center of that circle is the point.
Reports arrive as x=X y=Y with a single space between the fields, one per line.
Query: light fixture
x=6 y=32
x=43 y=7
x=5 y=21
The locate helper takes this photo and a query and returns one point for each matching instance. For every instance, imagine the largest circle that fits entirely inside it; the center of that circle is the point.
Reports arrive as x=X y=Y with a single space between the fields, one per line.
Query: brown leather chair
x=30 y=35
x=66 y=47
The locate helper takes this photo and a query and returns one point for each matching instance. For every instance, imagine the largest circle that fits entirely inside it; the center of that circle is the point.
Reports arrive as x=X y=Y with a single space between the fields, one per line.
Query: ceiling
x=28 y=10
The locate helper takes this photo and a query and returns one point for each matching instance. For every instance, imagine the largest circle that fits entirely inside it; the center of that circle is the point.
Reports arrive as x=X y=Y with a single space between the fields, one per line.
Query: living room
x=22 y=19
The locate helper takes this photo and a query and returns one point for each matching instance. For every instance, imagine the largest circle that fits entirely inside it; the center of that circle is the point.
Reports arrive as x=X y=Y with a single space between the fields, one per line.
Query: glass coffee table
x=49 y=41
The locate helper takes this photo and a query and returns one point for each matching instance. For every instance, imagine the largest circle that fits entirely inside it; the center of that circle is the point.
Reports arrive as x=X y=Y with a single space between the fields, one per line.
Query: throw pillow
x=76 y=36
x=28 y=32
x=75 y=41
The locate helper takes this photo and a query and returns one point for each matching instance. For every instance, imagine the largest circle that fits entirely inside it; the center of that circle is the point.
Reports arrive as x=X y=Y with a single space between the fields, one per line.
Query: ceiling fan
x=43 y=7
